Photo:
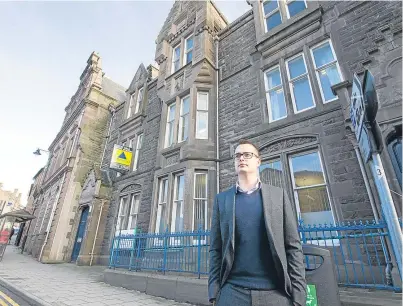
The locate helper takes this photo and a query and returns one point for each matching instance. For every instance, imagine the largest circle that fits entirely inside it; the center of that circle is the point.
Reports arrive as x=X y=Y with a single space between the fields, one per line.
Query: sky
x=44 y=47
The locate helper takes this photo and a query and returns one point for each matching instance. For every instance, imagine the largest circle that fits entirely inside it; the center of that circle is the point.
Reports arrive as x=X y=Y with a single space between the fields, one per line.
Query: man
x=12 y=231
x=255 y=249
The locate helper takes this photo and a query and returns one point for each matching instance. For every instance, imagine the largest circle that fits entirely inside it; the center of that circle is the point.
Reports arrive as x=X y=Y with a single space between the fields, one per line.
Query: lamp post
x=38 y=151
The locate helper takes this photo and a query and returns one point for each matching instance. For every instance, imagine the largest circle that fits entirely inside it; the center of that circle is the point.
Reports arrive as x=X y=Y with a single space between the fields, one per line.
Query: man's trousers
x=231 y=295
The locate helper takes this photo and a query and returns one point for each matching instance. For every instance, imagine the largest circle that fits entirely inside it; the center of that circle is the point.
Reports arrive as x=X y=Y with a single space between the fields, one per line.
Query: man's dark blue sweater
x=253 y=265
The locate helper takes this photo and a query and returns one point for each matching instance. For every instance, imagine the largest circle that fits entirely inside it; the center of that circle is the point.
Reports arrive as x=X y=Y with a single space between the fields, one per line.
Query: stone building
x=9 y=200
x=280 y=75
x=75 y=151
x=34 y=198
x=169 y=120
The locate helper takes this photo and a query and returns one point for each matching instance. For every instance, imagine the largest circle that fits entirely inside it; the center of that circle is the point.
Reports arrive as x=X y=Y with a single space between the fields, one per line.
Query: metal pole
x=388 y=209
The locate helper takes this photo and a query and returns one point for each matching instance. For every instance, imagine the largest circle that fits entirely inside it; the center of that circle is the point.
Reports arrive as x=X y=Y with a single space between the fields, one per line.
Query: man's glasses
x=246 y=155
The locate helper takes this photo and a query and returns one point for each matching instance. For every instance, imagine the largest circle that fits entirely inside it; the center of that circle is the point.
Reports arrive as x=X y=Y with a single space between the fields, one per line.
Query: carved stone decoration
x=390 y=88
x=282 y=144
x=172 y=159
x=179 y=83
x=88 y=189
x=204 y=75
x=131 y=188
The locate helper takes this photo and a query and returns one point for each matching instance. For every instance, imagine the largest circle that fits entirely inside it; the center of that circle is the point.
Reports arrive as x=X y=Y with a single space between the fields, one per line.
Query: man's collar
x=256 y=187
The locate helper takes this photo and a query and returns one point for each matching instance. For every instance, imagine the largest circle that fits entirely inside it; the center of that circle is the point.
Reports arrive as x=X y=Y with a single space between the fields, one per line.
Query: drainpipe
x=77 y=134
x=113 y=111
x=96 y=232
x=216 y=39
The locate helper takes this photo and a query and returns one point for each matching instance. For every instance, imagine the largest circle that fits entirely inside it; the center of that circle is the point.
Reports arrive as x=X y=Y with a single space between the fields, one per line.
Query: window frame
x=198 y=111
x=318 y=69
x=288 y=11
x=185 y=51
x=283 y=171
x=176 y=200
x=295 y=189
x=173 y=70
x=181 y=120
x=160 y=203
x=132 y=100
x=200 y=172
x=139 y=143
x=300 y=77
x=131 y=213
x=138 y=101
x=119 y=223
x=171 y=124
x=265 y=17
x=267 y=91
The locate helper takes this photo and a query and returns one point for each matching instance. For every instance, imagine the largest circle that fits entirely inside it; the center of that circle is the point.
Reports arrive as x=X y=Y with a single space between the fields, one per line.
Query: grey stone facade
x=359 y=34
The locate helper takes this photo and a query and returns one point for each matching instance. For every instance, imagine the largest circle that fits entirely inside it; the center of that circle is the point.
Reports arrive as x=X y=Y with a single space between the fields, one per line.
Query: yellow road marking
x=2 y=303
x=8 y=299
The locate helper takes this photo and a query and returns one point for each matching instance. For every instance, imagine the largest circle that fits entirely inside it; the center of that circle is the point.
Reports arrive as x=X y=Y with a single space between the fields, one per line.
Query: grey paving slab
x=68 y=284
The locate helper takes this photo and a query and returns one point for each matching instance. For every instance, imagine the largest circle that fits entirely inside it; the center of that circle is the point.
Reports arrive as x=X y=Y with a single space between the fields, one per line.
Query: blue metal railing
x=184 y=252
x=358 y=249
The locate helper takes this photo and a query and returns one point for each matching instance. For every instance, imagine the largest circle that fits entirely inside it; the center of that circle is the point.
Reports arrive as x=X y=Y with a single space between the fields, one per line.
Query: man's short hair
x=246 y=141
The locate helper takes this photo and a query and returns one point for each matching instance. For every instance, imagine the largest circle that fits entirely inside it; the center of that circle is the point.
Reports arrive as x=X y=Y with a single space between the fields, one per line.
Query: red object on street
x=4 y=235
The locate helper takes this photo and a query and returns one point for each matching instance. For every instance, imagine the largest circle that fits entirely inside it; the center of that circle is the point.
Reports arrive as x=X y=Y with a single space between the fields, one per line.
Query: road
x=7 y=298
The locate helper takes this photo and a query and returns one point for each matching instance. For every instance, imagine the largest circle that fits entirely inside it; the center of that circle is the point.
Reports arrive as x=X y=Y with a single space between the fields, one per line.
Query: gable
x=140 y=76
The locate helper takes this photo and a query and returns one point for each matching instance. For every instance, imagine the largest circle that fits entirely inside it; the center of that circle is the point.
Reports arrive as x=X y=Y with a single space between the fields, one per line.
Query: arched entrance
x=80 y=234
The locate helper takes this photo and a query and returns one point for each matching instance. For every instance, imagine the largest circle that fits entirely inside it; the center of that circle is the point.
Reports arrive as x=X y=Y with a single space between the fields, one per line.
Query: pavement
x=65 y=284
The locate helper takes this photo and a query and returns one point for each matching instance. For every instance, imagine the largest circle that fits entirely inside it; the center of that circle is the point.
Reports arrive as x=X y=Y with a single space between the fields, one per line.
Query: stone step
x=365 y=297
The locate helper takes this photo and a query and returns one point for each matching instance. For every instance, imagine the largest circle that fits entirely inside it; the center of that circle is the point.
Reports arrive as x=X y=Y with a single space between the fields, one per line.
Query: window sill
x=173 y=148
x=286 y=33
x=133 y=118
x=301 y=116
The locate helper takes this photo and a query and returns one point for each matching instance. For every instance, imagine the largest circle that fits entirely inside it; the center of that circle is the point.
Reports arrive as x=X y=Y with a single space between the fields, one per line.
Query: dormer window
x=272 y=15
x=274 y=11
x=139 y=101
x=294 y=7
x=182 y=53
x=136 y=101
x=131 y=103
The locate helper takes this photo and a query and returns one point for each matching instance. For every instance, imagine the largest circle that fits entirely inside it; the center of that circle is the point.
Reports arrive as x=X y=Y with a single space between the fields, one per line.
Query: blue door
x=80 y=234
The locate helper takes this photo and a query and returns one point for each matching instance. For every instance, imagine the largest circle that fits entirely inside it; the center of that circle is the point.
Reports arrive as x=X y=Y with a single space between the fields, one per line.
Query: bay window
x=202 y=115
x=170 y=126
x=160 y=225
x=200 y=201
x=176 y=59
x=177 y=208
x=184 y=119
x=188 y=56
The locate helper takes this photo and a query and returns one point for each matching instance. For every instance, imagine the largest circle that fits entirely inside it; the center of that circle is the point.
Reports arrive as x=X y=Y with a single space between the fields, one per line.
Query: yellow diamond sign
x=121 y=158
